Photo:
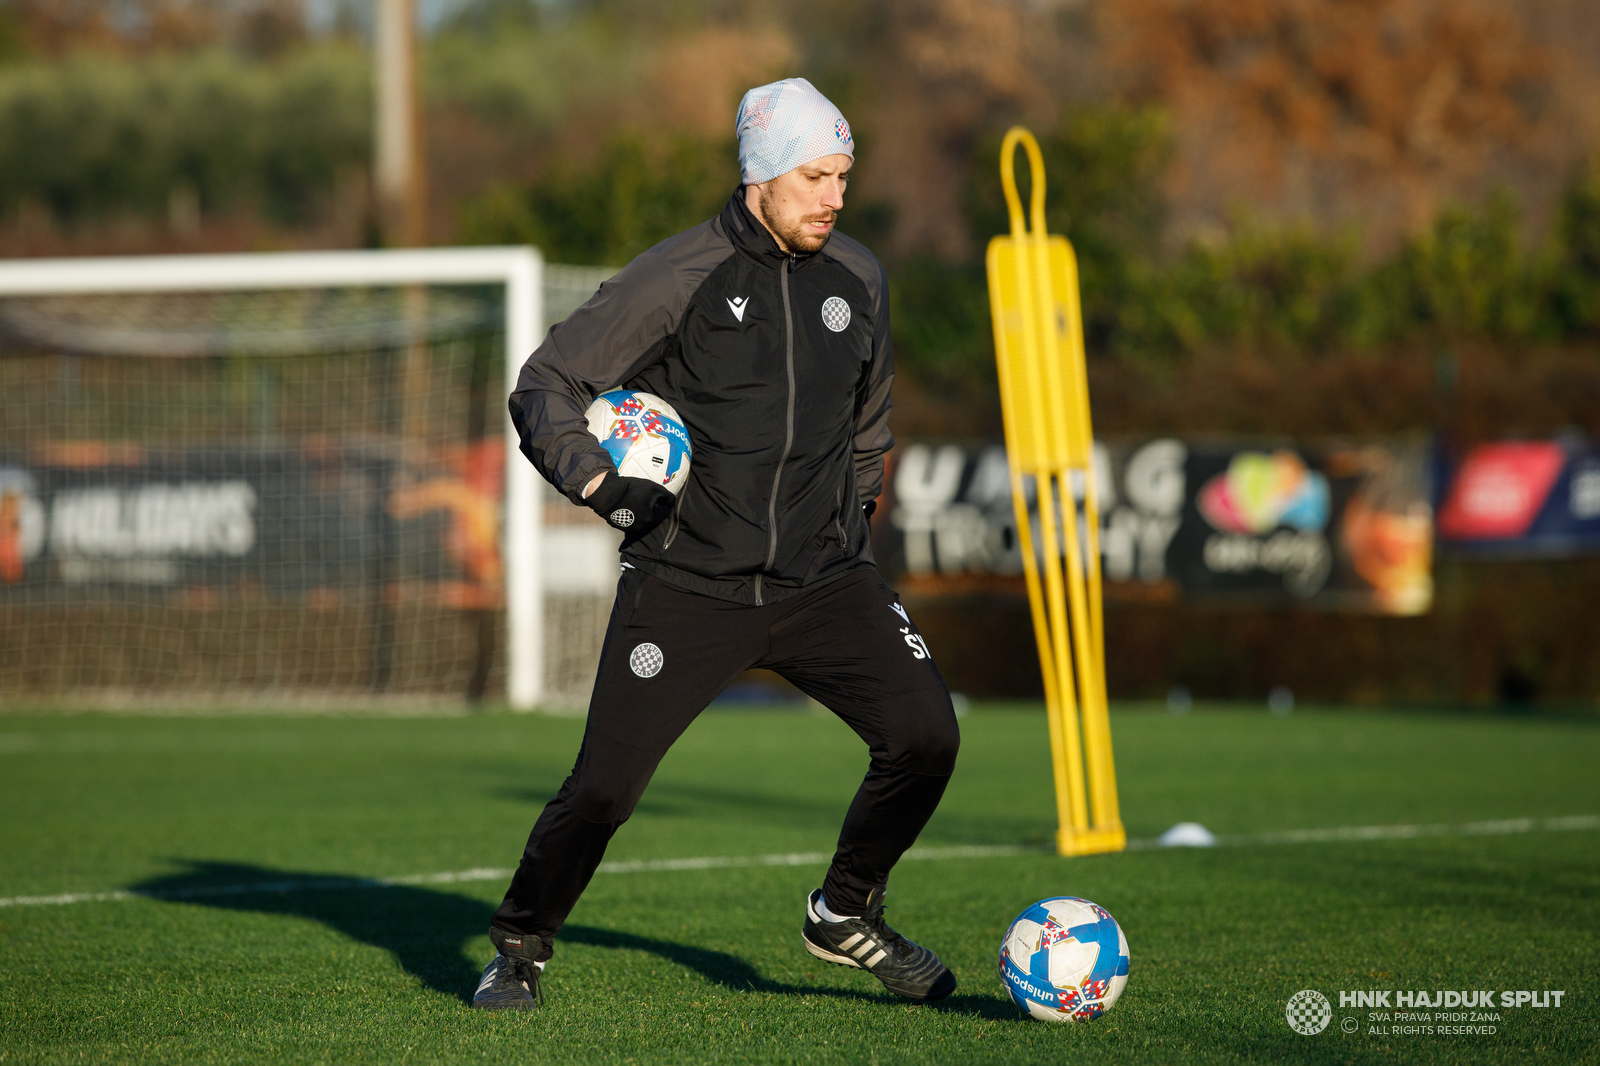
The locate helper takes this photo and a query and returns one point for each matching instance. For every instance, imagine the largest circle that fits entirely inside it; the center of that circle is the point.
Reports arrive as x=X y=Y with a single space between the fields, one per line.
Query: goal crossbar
x=518 y=269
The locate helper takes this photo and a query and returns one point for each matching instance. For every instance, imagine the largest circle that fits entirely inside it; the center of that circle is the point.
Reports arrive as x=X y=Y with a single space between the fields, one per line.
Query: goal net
x=282 y=480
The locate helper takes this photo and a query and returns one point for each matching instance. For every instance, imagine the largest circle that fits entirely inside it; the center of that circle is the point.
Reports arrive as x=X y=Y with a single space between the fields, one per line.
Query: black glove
x=631 y=504
x=867 y=509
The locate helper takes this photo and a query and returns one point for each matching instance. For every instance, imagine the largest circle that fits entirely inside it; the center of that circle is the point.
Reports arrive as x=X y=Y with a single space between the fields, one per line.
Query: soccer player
x=770 y=335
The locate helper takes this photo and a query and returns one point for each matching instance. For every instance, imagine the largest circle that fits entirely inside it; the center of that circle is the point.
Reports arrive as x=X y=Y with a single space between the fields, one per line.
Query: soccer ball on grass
x=1064 y=960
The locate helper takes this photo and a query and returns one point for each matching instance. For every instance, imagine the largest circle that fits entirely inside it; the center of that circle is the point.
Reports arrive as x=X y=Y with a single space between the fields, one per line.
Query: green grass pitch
x=705 y=965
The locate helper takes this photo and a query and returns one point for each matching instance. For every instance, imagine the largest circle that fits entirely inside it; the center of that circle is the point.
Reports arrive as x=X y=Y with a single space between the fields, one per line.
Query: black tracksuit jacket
x=780 y=367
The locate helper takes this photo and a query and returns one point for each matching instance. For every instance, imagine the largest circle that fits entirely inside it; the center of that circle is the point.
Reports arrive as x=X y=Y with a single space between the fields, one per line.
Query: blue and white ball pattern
x=644 y=436
x=1064 y=960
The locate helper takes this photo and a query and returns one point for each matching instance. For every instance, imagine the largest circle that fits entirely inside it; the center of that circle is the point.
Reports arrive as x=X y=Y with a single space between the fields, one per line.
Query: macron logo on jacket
x=737 y=305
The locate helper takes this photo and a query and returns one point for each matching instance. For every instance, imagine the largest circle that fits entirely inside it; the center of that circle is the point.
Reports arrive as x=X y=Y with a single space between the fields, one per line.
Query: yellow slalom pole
x=1040 y=457
x=1058 y=447
x=1030 y=562
x=1057 y=608
x=1096 y=717
x=1033 y=458
x=1042 y=371
x=1077 y=369
x=1074 y=447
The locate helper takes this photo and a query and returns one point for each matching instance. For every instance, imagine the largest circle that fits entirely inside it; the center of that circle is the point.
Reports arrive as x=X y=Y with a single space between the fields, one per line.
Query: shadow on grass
x=734 y=973
x=424 y=929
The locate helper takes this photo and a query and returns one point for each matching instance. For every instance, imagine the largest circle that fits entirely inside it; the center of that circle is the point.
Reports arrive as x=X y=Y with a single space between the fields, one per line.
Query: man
x=769 y=334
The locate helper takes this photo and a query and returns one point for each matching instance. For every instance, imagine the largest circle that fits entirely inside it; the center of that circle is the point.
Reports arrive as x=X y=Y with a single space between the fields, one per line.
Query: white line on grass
x=1404 y=832
x=815 y=858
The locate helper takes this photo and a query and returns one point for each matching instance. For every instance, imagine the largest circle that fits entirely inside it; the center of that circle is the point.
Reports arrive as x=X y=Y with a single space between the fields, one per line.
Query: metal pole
x=399 y=177
x=524 y=547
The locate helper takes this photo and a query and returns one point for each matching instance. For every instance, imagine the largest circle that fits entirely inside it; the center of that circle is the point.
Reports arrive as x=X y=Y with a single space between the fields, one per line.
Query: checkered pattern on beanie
x=787 y=124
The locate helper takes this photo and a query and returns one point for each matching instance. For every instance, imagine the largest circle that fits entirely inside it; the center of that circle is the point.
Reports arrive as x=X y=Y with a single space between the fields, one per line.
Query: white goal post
x=518 y=269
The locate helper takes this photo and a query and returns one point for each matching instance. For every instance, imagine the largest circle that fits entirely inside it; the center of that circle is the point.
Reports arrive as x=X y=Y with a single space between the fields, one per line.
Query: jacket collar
x=751 y=237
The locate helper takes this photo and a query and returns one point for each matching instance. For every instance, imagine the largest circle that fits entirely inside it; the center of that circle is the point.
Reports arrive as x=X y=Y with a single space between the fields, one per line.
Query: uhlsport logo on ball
x=1064 y=959
x=1308 y=1012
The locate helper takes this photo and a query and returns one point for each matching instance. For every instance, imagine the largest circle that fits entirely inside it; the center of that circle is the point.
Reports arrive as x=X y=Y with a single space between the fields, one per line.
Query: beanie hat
x=785 y=125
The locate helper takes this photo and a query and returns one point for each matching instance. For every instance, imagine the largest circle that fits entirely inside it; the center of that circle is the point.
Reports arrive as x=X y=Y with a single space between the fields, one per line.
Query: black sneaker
x=867 y=943
x=511 y=980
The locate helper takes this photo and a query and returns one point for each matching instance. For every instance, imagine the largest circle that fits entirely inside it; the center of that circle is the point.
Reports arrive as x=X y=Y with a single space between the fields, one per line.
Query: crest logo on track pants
x=646 y=660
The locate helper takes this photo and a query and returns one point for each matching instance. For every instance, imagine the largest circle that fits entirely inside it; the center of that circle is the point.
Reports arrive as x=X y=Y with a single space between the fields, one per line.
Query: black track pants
x=669 y=652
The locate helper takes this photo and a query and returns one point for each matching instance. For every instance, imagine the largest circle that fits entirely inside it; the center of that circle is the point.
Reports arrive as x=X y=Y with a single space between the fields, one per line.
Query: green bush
x=97 y=136
x=1466 y=276
x=940 y=316
x=524 y=80
x=1291 y=291
x=1287 y=289
x=1469 y=275
x=1575 y=285
x=1103 y=167
x=639 y=191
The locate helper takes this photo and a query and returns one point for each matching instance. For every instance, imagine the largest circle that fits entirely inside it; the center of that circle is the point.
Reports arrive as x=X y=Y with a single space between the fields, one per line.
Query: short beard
x=793 y=237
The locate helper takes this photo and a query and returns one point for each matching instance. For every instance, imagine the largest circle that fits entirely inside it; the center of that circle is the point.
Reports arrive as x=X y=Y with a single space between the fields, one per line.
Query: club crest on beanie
x=785 y=125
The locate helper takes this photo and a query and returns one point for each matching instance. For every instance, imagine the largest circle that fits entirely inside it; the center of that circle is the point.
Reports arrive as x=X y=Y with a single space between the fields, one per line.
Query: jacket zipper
x=672 y=530
x=838 y=514
x=788 y=433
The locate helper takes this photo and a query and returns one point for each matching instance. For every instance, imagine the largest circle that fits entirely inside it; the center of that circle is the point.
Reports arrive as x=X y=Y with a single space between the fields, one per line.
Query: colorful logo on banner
x=1500 y=490
x=1260 y=492
x=282 y=521
x=1526 y=498
x=1347 y=527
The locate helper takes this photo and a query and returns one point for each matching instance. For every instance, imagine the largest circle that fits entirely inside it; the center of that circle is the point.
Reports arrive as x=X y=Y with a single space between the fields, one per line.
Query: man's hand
x=631 y=504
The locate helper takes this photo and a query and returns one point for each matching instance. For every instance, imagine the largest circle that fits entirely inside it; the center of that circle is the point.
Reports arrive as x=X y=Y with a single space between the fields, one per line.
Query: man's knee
x=929 y=737
x=608 y=780
x=603 y=803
